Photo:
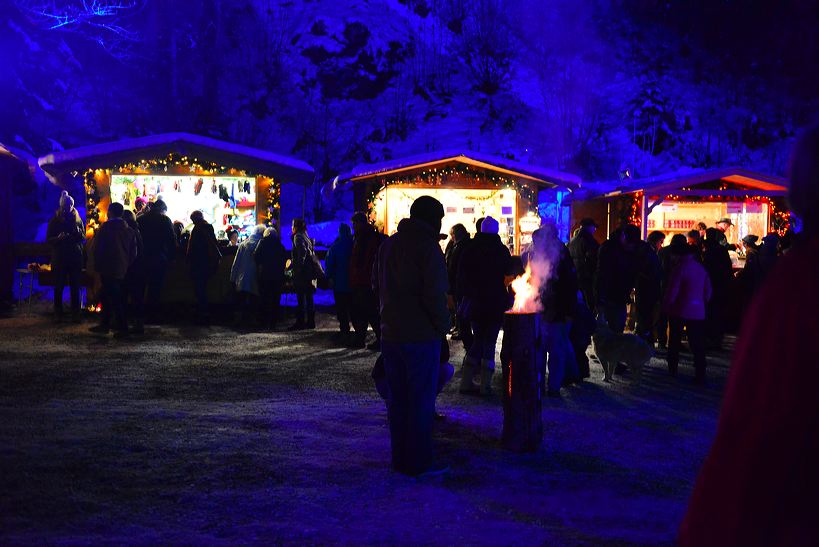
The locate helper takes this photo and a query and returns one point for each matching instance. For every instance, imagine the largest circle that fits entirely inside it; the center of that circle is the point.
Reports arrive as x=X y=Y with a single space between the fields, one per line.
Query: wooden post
x=523 y=380
x=644 y=215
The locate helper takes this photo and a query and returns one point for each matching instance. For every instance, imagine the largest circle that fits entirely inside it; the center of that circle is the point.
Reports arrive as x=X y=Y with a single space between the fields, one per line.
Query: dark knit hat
x=427 y=209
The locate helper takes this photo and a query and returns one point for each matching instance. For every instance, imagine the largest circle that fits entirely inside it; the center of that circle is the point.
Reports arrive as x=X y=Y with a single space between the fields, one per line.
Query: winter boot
x=487 y=371
x=467 y=375
x=311 y=321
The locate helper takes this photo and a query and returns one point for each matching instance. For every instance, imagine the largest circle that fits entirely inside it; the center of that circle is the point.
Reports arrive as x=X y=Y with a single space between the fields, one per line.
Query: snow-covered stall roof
x=535 y=173
x=11 y=162
x=760 y=183
x=10 y=167
x=100 y=156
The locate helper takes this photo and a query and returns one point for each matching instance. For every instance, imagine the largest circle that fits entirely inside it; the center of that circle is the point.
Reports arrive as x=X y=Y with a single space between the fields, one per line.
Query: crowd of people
x=759 y=484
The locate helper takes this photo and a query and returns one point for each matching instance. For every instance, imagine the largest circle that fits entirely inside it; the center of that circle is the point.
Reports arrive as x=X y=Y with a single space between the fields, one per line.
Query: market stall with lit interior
x=470 y=185
x=675 y=204
x=235 y=186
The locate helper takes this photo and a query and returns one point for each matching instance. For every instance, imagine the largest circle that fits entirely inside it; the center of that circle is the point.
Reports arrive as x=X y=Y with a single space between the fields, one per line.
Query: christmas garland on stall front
x=147 y=167
x=438 y=177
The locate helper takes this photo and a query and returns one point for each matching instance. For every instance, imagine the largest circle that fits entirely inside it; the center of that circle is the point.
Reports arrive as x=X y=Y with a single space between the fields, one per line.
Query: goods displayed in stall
x=462 y=206
x=469 y=184
x=748 y=217
x=226 y=202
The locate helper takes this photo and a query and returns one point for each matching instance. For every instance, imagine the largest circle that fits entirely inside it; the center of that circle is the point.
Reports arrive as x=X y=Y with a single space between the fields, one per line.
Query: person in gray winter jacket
x=243 y=274
x=411 y=282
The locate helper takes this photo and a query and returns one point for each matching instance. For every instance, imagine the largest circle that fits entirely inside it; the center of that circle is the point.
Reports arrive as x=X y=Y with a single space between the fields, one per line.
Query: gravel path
x=196 y=435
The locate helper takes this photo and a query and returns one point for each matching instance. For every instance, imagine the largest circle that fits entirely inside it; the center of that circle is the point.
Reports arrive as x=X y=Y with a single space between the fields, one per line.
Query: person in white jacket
x=243 y=273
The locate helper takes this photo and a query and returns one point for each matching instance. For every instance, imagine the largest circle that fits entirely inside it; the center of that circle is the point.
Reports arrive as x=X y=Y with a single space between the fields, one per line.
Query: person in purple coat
x=686 y=294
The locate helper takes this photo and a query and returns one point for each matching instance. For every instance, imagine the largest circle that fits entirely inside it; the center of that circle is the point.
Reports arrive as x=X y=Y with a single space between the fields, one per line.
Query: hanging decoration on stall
x=635 y=214
x=92 y=212
x=176 y=163
x=273 y=199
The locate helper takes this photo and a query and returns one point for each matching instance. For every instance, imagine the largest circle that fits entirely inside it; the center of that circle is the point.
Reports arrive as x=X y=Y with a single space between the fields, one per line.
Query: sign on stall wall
x=666 y=208
x=733 y=207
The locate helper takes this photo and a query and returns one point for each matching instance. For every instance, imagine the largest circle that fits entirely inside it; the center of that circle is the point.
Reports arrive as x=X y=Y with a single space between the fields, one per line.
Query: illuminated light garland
x=439 y=176
x=274 y=193
x=634 y=216
x=150 y=166
x=780 y=220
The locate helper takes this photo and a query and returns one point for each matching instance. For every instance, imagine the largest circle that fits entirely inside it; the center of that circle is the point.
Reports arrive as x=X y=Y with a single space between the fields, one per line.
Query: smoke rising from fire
x=541 y=263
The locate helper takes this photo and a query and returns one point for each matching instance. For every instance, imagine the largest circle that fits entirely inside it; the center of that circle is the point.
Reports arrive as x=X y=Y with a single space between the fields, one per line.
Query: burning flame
x=526 y=293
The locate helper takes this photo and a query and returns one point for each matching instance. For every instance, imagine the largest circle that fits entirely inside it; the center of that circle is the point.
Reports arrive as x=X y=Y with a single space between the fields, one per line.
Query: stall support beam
x=644 y=214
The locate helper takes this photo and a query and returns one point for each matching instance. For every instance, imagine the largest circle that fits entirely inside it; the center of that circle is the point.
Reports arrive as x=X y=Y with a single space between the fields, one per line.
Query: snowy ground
x=209 y=436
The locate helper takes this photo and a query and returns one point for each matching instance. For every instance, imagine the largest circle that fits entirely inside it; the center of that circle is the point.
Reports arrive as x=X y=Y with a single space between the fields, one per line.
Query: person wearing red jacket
x=759 y=484
x=686 y=295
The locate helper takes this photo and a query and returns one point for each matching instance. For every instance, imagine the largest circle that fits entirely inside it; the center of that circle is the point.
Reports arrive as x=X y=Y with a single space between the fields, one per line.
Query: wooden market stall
x=469 y=184
x=10 y=167
x=235 y=186
x=676 y=203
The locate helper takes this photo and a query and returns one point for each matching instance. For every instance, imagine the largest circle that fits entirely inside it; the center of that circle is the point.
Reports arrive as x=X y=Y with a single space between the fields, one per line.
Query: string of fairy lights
x=441 y=176
x=174 y=163
x=780 y=219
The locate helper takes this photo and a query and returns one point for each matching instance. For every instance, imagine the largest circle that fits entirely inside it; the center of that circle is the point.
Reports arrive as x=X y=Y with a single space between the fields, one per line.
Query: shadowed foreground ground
x=209 y=436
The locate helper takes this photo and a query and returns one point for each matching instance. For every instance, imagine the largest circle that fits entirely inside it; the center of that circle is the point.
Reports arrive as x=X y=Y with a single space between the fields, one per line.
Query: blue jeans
x=556 y=343
x=412 y=375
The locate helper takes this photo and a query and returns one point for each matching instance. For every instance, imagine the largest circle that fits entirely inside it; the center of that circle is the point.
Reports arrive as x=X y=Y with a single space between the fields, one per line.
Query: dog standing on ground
x=612 y=348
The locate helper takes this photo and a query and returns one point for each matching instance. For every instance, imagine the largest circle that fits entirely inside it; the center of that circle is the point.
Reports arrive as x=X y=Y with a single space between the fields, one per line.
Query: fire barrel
x=522 y=364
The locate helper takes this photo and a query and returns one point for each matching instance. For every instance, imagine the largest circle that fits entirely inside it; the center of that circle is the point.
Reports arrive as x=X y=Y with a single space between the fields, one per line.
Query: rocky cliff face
x=588 y=87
